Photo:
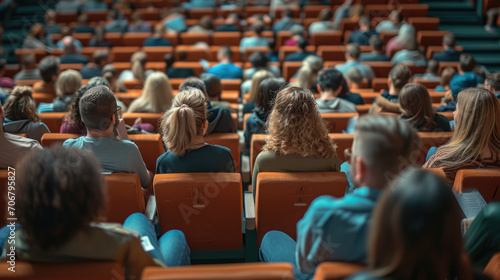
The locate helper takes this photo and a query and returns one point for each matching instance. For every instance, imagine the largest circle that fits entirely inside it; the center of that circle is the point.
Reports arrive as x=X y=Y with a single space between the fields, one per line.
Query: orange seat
x=281 y=37
x=256 y=10
x=431 y=38
x=193 y=38
x=429 y=140
x=89 y=51
x=197 y=13
x=134 y=39
x=133 y=84
x=226 y=38
x=250 y=50
x=326 y=38
x=190 y=53
x=231 y=84
x=435 y=49
x=74 y=66
x=428 y=84
x=96 y=15
x=378 y=10
x=212 y=54
x=50 y=139
x=206 y=207
x=53 y=120
x=230 y=141
x=286 y=50
x=283 y=198
x=196 y=66
x=444 y=64
x=39 y=54
x=363 y=109
x=379 y=84
x=125 y=196
x=348 y=24
x=314 y=10
x=343 y=142
x=493 y=268
x=416 y=69
x=386 y=36
x=115 y=38
x=332 y=53
x=84 y=38
x=98 y=270
x=279 y=9
x=156 y=54
x=127 y=97
x=336 y=270
x=437 y=171
x=424 y=23
x=413 y=10
x=380 y=68
x=337 y=122
x=66 y=17
x=486 y=181
x=241 y=271
x=290 y=68
x=449 y=115
x=26 y=82
x=123 y=54
x=150 y=14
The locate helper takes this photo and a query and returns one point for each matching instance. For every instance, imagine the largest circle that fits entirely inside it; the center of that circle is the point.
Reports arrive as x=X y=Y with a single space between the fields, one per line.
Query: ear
x=205 y=127
x=389 y=82
x=318 y=87
x=361 y=170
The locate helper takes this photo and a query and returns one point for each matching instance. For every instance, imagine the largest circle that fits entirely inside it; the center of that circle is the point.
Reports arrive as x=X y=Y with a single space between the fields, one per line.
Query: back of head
x=97 y=107
x=257 y=78
x=268 y=90
x=157 y=93
x=447 y=75
x=354 y=75
x=136 y=16
x=258 y=27
x=400 y=75
x=297 y=30
x=406 y=32
x=113 y=14
x=329 y=79
x=376 y=43
x=193 y=82
x=325 y=14
x=28 y=59
x=356 y=11
x=415 y=231
x=213 y=85
x=97 y=81
x=49 y=67
x=184 y=121
x=386 y=145
x=68 y=82
x=295 y=126
x=449 y=40
x=354 y=51
x=169 y=59
x=432 y=66
x=302 y=43
x=65 y=183
x=83 y=19
x=206 y=22
x=287 y=13
x=493 y=80
x=20 y=105
x=68 y=44
x=314 y=62
x=306 y=75
x=258 y=59
x=396 y=16
x=467 y=62
x=138 y=61
x=74 y=111
x=225 y=52
x=50 y=16
x=100 y=57
x=66 y=31
x=416 y=104
x=99 y=35
x=365 y=20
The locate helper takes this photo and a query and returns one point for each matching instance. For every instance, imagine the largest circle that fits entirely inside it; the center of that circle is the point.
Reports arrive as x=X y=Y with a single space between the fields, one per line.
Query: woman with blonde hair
x=476 y=141
x=21 y=116
x=138 y=71
x=298 y=138
x=182 y=128
x=257 y=78
x=68 y=82
x=306 y=76
x=407 y=37
x=416 y=108
x=156 y=96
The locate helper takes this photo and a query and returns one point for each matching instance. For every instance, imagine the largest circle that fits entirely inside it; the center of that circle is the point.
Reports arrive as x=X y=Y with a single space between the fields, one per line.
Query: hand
x=121 y=130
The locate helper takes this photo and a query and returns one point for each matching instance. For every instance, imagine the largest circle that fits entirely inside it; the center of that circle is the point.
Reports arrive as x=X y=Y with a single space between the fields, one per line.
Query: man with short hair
x=225 y=69
x=115 y=23
x=29 y=70
x=376 y=54
x=329 y=83
x=91 y=70
x=302 y=53
x=466 y=77
x=99 y=113
x=14 y=147
x=448 y=53
x=70 y=52
x=394 y=22
x=49 y=69
x=352 y=54
x=353 y=80
x=492 y=83
x=362 y=36
x=230 y=24
x=286 y=22
x=214 y=91
x=336 y=229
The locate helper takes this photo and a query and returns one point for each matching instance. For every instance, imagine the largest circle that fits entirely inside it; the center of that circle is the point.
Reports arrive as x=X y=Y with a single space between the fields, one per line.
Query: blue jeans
x=172 y=248
x=431 y=152
x=4 y=235
x=276 y=247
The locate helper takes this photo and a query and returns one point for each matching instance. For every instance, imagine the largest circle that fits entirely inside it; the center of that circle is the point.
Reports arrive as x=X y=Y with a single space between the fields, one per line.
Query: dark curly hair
x=62 y=193
x=74 y=112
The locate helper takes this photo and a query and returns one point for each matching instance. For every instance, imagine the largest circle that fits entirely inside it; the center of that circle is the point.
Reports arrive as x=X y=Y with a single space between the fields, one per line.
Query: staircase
x=460 y=18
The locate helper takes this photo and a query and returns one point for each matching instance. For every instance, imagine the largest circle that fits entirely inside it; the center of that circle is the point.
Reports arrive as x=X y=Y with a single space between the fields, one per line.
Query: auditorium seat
x=240 y=271
x=250 y=50
x=437 y=171
x=26 y=82
x=212 y=54
x=157 y=53
x=343 y=142
x=281 y=37
x=206 y=207
x=124 y=196
x=336 y=270
x=187 y=38
x=133 y=84
x=428 y=84
x=380 y=68
x=89 y=51
x=435 y=49
x=226 y=38
x=326 y=38
x=73 y=66
x=228 y=140
x=84 y=38
x=198 y=13
x=256 y=10
x=279 y=10
x=429 y=140
x=314 y=10
x=486 y=181
x=150 y=14
x=348 y=24
x=444 y=64
x=431 y=38
x=282 y=198
x=290 y=68
x=115 y=38
x=127 y=97
x=134 y=39
x=337 y=122
x=413 y=10
x=123 y=54
x=192 y=53
x=231 y=84
x=96 y=270
x=53 y=120
x=379 y=84
x=96 y=15
x=39 y=54
x=332 y=53
x=424 y=23
x=387 y=35
x=493 y=268
x=195 y=66
x=363 y=109
x=66 y=17
x=378 y=10
x=449 y=115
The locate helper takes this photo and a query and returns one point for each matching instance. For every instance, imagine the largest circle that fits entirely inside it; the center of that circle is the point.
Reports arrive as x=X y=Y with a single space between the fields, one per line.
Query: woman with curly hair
x=298 y=138
x=73 y=123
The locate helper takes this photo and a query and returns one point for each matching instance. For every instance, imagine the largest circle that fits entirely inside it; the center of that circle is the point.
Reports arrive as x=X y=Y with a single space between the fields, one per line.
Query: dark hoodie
x=254 y=124
x=220 y=121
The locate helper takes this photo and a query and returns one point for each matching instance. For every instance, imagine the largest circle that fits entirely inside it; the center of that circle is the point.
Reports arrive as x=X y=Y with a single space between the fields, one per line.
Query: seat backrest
x=226 y=38
x=53 y=120
x=241 y=271
x=336 y=270
x=230 y=141
x=486 y=181
x=343 y=141
x=429 y=140
x=190 y=53
x=134 y=39
x=332 y=53
x=123 y=54
x=380 y=68
x=124 y=196
x=493 y=268
x=258 y=141
x=62 y=271
x=193 y=38
x=150 y=146
x=157 y=53
x=336 y=122
x=290 y=68
x=49 y=139
x=326 y=38
x=283 y=198
x=424 y=23
x=431 y=38
x=206 y=207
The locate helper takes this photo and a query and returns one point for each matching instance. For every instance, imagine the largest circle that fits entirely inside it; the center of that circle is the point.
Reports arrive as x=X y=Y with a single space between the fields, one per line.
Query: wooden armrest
x=249 y=211
x=151 y=208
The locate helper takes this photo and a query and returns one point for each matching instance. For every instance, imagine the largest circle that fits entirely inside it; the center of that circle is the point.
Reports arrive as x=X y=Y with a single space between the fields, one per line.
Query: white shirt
x=14 y=147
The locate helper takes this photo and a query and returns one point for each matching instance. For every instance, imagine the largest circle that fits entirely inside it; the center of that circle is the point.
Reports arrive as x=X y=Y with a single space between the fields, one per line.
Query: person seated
x=91 y=70
x=352 y=54
x=406 y=38
x=68 y=6
x=352 y=81
x=214 y=91
x=256 y=122
x=225 y=69
x=138 y=25
x=110 y=74
x=157 y=39
x=491 y=15
x=446 y=76
x=476 y=141
x=257 y=40
x=307 y=73
x=205 y=25
x=115 y=22
x=68 y=82
x=329 y=83
x=29 y=71
x=49 y=70
x=302 y=43
x=362 y=36
x=191 y=4
x=431 y=72
x=183 y=127
x=346 y=10
x=417 y=110
x=176 y=72
x=409 y=55
x=400 y=235
x=21 y=116
x=449 y=53
x=325 y=22
x=492 y=83
x=260 y=61
x=336 y=229
x=376 y=54
x=173 y=21
x=99 y=113
x=37 y=38
x=388 y=101
x=298 y=31
x=71 y=54
x=219 y=119
x=72 y=122
x=5 y=82
x=67 y=183
x=99 y=38
x=230 y=24
x=51 y=26
x=394 y=23
x=138 y=70
x=286 y=22
x=83 y=25
x=66 y=31
x=253 y=91
x=156 y=96
x=94 y=5
x=298 y=139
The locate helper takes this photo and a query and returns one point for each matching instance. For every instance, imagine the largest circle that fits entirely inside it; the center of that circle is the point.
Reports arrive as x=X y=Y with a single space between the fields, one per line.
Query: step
x=449 y=5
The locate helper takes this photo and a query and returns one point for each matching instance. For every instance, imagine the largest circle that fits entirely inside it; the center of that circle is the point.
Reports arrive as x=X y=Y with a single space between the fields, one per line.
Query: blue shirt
x=365 y=69
x=209 y=158
x=157 y=42
x=226 y=71
x=335 y=229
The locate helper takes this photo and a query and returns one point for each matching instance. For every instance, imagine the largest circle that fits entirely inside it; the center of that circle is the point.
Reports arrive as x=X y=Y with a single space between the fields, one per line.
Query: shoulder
x=23 y=141
x=218 y=149
x=73 y=142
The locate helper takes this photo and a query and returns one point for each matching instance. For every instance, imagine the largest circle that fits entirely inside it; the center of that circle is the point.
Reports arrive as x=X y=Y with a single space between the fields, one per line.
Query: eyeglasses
x=118 y=108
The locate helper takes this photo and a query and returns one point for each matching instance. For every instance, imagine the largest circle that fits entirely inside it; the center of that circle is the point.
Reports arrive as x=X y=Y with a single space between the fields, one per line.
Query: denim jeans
x=4 y=235
x=172 y=248
x=431 y=152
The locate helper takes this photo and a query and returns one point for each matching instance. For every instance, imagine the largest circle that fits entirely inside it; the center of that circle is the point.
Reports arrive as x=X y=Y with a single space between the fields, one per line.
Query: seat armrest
x=151 y=208
x=249 y=211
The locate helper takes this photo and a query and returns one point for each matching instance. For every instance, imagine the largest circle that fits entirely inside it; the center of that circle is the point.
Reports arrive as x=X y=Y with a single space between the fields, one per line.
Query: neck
x=376 y=52
x=224 y=60
x=94 y=133
x=197 y=143
x=330 y=94
x=393 y=90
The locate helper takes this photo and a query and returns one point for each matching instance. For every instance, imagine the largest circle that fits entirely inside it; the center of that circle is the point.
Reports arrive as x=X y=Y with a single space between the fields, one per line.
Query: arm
x=139 y=167
x=121 y=130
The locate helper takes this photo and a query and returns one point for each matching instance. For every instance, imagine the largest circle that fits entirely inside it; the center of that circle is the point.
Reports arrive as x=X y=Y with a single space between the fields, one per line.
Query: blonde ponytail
x=138 y=61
